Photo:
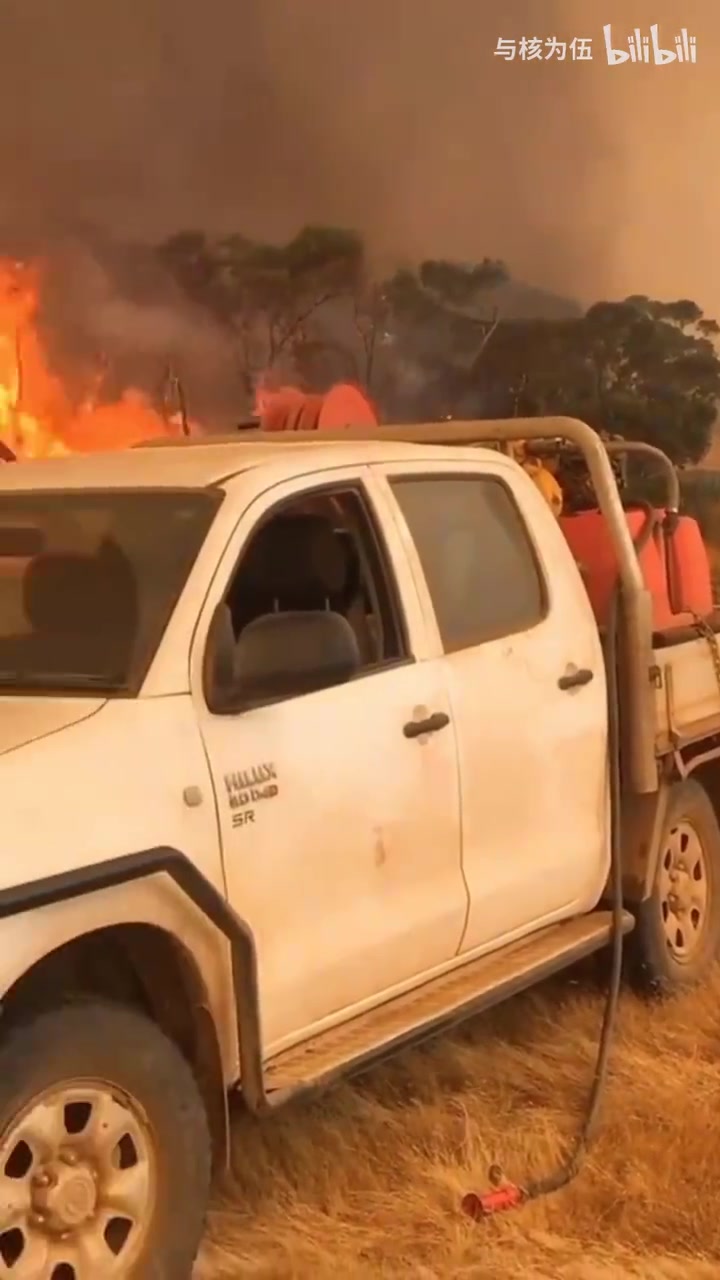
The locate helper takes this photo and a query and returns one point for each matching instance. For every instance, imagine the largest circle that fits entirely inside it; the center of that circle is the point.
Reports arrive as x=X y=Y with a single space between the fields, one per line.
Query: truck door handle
x=575 y=679
x=416 y=728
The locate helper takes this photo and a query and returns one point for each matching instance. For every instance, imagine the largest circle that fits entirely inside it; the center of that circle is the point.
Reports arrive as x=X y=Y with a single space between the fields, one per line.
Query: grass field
x=367 y=1182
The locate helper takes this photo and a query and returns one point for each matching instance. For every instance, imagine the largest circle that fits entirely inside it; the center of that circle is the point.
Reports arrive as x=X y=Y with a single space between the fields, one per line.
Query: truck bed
x=687 y=695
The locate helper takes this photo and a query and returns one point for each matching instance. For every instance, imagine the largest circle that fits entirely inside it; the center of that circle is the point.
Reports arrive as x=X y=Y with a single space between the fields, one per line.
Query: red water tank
x=591 y=545
x=674 y=564
x=688 y=569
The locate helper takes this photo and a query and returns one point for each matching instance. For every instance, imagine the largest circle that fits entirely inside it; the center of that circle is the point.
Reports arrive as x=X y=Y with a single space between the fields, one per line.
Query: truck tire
x=676 y=941
x=104 y=1149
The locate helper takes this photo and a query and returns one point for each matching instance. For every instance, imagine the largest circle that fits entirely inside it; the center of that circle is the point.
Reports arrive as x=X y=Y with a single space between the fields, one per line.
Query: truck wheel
x=104 y=1149
x=676 y=941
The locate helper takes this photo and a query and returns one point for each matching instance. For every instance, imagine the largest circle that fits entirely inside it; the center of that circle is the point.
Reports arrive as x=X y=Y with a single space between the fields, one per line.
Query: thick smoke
x=109 y=308
x=390 y=115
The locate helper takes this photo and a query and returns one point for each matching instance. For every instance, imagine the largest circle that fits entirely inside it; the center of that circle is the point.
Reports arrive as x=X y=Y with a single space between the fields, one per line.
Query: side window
x=479 y=564
x=318 y=552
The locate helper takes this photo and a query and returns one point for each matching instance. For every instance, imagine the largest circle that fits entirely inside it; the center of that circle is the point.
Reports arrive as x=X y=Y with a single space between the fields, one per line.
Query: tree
x=656 y=372
x=431 y=342
x=437 y=323
x=442 y=306
x=266 y=295
x=642 y=369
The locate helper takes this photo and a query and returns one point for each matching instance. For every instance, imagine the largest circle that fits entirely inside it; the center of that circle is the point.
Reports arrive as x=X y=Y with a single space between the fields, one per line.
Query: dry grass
x=367 y=1182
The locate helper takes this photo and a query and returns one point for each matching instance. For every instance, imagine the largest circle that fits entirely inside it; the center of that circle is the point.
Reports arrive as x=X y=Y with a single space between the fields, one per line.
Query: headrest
x=72 y=592
x=296 y=551
x=286 y=654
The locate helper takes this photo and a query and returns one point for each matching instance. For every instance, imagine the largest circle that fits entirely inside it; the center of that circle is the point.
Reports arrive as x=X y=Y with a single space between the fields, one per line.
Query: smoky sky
x=148 y=116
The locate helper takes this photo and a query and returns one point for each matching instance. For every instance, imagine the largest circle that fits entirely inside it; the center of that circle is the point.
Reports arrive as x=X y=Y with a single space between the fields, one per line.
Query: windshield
x=88 y=581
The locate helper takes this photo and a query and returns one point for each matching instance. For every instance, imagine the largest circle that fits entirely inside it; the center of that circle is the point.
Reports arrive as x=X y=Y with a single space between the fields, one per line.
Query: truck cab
x=307 y=751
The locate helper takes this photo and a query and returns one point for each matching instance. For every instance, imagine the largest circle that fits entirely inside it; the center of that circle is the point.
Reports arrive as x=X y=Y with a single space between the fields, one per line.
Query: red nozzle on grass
x=497 y=1201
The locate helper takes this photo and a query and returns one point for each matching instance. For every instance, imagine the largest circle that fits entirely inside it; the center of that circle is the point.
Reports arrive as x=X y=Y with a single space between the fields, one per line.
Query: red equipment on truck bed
x=673 y=559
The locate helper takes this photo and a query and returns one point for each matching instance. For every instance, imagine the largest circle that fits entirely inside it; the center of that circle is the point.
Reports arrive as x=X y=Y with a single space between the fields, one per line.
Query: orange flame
x=37 y=417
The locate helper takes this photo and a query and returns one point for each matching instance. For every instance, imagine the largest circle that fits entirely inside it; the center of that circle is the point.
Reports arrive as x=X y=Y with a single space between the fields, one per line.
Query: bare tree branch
x=291 y=328
x=490 y=326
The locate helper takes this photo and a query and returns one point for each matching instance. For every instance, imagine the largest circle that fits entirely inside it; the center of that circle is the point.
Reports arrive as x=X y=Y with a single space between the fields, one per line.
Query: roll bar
x=621 y=447
x=672 y=503
x=486 y=431
x=637 y=601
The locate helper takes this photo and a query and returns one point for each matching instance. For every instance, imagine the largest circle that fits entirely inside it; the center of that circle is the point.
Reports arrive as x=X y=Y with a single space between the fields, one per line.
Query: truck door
x=340 y=827
x=513 y=622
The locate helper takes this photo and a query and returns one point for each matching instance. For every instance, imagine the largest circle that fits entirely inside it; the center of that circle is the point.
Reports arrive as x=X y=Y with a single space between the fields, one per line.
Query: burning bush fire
x=38 y=416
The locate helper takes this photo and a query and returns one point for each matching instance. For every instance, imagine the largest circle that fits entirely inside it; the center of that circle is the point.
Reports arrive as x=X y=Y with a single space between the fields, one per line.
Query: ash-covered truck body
x=313 y=744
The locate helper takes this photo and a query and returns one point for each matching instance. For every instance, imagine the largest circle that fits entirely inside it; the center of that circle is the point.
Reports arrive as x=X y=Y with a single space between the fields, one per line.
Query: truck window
x=322 y=551
x=479 y=563
x=88 y=581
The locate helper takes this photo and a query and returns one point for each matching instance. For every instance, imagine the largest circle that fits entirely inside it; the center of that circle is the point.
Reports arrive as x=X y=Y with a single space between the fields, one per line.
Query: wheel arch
x=666 y=961
x=149 y=951
x=149 y=968
x=644 y=819
x=707 y=773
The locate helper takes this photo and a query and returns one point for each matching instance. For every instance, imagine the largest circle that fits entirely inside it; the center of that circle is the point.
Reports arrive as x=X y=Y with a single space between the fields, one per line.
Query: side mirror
x=288 y=654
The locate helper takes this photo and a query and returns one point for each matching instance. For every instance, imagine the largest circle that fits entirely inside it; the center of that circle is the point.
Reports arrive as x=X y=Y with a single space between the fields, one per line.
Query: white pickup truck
x=306 y=753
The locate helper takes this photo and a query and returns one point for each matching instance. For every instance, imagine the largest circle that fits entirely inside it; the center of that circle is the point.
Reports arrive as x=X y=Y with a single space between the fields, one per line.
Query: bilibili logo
x=649 y=49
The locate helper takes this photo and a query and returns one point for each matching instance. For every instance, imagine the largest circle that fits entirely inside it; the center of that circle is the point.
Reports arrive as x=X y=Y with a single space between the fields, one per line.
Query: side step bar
x=435 y=1006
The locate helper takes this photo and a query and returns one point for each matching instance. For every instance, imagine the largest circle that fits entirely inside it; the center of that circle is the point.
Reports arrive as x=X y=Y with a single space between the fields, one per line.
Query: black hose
x=511 y=1195
x=571 y=1167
